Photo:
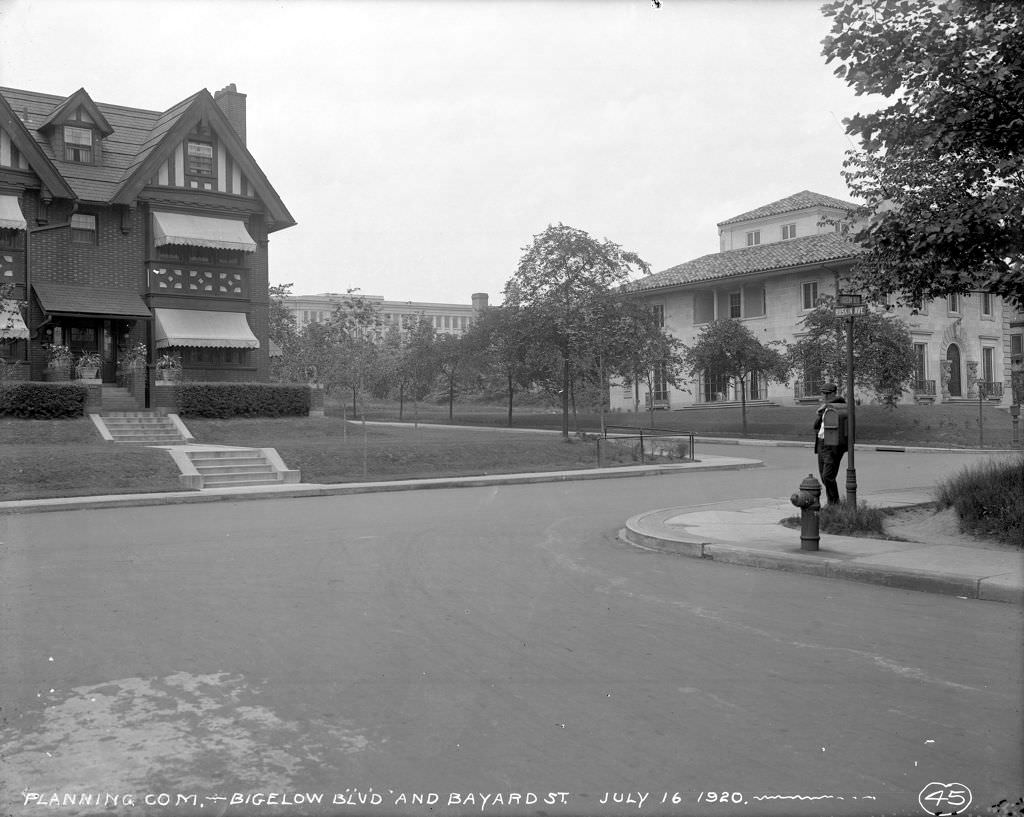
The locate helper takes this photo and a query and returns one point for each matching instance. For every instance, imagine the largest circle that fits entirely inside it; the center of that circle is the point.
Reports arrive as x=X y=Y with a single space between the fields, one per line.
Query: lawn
x=68 y=458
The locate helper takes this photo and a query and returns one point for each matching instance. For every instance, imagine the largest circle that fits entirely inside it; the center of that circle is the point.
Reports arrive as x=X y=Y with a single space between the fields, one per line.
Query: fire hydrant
x=808 y=500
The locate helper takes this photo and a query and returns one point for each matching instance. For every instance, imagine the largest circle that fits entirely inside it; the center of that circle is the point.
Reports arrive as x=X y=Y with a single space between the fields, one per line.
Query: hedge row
x=223 y=400
x=42 y=401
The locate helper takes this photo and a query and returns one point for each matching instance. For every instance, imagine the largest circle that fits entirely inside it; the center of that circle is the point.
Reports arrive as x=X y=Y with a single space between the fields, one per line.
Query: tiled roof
x=798 y=201
x=89 y=182
x=796 y=252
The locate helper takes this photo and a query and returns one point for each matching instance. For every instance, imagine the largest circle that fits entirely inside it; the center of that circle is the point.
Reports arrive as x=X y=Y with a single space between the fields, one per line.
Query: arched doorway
x=953 y=356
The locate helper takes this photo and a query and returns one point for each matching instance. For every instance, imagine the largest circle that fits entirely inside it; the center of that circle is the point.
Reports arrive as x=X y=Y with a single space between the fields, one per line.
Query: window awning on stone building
x=201 y=231
x=194 y=327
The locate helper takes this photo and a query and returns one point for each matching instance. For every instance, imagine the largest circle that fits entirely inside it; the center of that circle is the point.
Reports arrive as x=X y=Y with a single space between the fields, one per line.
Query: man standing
x=830 y=439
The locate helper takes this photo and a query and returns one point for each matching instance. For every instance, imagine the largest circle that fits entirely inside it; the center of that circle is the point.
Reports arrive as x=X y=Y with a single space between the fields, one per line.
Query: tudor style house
x=121 y=226
x=773 y=265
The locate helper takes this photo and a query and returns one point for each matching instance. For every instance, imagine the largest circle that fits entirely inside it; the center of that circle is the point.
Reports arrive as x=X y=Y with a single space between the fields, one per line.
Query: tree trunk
x=510 y=401
x=451 y=400
x=401 y=401
x=355 y=409
x=743 y=404
x=565 y=397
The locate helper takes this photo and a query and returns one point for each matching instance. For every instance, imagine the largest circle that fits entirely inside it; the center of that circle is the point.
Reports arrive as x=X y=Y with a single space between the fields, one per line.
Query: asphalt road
x=467 y=646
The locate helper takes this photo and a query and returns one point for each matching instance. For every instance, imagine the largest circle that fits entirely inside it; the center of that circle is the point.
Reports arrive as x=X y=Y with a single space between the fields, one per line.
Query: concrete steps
x=140 y=428
x=235 y=467
x=116 y=398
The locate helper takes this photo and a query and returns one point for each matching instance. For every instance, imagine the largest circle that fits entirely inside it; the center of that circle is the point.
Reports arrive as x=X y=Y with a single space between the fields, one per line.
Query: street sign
x=851 y=310
x=849 y=299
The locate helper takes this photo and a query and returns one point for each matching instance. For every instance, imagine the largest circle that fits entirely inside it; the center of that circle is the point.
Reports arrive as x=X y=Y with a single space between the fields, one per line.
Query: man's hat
x=828 y=388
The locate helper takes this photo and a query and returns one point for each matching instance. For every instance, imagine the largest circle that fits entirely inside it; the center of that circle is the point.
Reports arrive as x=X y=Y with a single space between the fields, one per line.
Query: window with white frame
x=986 y=305
x=78 y=144
x=809 y=293
x=753 y=238
x=199 y=158
x=788 y=231
x=953 y=303
x=1016 y=345
x=920 y=363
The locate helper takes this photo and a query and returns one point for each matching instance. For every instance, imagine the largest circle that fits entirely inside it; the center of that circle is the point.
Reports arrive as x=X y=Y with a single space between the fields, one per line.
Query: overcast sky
x=421 y=144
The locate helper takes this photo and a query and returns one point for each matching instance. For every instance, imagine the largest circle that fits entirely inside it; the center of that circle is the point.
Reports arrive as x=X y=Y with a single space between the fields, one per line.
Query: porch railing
x=923 y=388
x=991 y=390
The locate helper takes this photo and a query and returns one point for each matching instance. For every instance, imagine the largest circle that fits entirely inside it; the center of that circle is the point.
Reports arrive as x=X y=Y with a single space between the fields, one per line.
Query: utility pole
x=849 y=305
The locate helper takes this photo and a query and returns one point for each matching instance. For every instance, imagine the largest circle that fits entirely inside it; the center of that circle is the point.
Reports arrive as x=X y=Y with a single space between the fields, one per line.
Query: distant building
x=447 y=319
x=775 y=262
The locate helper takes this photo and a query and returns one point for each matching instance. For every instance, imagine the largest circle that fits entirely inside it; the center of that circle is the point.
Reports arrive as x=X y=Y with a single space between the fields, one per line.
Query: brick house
x=773 y=264
x=121 y=226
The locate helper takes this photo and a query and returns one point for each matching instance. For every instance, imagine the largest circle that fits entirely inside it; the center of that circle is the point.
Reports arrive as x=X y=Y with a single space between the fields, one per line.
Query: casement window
x=788 y=231
x=753 y=238
x=988 y=364
x=735 y=305
x=953 y=303
x=207 y=256
x=206 y=356
x=986 y=305
x=83 y=228
x=920 y=361
x=809 y=293
x=660 y=381
x=199 y=159
x=659 y=314
x=10 y=239
x=78 y=145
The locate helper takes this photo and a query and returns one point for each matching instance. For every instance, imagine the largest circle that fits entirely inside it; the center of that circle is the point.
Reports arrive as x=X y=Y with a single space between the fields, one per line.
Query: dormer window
x=788 y=231
x=78 y=145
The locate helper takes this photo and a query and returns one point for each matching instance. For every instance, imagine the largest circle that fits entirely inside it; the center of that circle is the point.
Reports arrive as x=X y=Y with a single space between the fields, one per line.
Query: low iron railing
x=650 y=440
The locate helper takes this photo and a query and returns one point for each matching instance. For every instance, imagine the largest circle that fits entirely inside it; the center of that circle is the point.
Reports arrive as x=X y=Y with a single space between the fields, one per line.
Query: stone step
x=227 y=470
x=238 y=482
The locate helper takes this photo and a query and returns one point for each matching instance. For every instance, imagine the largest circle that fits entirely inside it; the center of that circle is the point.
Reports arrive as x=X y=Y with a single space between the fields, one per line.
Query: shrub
x=223 y=400
x=845 y=519
x=987 y=497
x=43 y=401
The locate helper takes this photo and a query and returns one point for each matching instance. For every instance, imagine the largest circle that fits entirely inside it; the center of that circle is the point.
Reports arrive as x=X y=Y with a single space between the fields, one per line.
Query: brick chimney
x=233 y=104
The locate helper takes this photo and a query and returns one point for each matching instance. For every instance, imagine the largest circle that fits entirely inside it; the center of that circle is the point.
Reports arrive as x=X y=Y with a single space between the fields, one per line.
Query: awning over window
x=10 y=214
x=73 y=299
x=194 y=327
x=12 y=325
x=201 y=231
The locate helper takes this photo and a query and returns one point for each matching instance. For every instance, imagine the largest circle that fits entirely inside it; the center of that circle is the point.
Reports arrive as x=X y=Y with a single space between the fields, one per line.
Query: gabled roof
x=79 y=99
x=139 y=140
x=37 y=159
x=798 y=201
x=797 y=252
x=172 y=127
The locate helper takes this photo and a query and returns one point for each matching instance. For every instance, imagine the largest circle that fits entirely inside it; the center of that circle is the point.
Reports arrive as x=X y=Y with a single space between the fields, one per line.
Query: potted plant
x=58 y=362
x=168 y=367
x=88 y=365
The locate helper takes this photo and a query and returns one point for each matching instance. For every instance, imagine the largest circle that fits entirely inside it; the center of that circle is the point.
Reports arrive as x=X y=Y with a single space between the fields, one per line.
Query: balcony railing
x=991 y=390
x=923 y=388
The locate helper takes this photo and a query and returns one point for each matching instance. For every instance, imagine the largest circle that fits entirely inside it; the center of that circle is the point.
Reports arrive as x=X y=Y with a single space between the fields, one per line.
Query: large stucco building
x=774 y=263
x=447 y=319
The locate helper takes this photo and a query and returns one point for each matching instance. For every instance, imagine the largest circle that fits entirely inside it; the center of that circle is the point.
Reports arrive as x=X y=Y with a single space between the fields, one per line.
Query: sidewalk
x=747 y=532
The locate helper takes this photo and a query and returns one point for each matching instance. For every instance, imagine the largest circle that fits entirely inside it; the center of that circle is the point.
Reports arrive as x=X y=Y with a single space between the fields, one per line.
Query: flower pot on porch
x=87 y=372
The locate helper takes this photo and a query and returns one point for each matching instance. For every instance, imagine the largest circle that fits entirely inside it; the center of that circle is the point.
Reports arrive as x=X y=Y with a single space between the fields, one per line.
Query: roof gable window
x=200 y=168
x=78 y=144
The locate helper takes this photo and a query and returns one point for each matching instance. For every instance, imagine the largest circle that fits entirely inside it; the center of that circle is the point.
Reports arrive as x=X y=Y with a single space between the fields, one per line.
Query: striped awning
x=11 y=217
x=12 y=325
x=194 y=327
x=201 y=231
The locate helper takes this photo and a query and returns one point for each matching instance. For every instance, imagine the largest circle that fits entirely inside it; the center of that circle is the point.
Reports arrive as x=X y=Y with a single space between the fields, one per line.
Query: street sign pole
x=851 y=422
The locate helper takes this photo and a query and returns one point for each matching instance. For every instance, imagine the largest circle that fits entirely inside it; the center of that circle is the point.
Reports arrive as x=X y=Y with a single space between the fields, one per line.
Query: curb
x=347 y=489
x=819 y=564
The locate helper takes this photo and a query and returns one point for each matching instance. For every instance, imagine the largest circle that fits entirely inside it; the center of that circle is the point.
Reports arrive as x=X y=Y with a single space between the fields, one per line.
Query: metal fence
x=653 y=442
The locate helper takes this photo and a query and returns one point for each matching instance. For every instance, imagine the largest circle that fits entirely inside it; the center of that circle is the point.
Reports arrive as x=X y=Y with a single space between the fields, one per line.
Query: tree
x=883 y=351
x=727 y=347
x=941 y=169
x=561 y=279
x=282 y=330
x=639 y=350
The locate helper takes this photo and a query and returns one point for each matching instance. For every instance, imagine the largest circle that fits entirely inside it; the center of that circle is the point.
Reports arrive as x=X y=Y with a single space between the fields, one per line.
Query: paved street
x=489 y=642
